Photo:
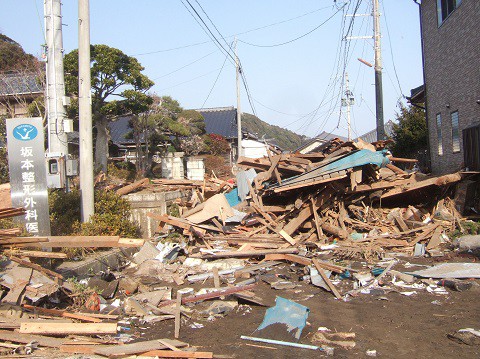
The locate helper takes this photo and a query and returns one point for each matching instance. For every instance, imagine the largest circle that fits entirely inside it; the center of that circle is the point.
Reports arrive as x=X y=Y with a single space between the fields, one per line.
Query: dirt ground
x=395 y=325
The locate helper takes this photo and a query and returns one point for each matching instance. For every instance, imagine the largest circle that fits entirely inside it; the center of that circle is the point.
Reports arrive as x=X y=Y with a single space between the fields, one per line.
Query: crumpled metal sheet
x=285 y=311
x=450 y=270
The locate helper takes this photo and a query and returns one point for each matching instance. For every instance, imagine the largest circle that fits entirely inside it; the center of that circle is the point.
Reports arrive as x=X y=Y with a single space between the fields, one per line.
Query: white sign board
x=28 y=177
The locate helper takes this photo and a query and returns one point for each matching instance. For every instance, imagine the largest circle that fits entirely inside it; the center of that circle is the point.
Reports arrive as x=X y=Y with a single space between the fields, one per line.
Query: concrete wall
x=142 y=203
x=452 y=76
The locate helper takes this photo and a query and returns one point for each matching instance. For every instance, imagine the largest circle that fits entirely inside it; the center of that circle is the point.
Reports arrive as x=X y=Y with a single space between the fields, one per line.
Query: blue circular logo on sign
x=25 y=132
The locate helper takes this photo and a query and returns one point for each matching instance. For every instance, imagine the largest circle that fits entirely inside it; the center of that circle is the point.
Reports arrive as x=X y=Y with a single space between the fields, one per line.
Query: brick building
x=451 y=53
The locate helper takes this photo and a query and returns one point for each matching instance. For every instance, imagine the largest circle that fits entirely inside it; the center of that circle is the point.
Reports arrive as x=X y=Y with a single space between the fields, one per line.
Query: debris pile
x=349 y=197
x=344 y=219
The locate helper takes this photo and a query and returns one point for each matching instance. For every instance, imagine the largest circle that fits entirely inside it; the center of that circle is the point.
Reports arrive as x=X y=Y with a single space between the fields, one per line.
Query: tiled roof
x=221 y=121
x=371 y=136
x=20 y=84
x=119 y=130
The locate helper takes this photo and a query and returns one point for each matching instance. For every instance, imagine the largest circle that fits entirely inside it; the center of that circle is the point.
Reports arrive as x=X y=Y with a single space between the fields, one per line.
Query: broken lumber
x=36 y=267
x=177 y=354
x=50 y=328
x=132 y=187
x=85 y=242
x=61 y=313
x=211 y=295
x=326 y=279
x=136 y=348
x=252 y=253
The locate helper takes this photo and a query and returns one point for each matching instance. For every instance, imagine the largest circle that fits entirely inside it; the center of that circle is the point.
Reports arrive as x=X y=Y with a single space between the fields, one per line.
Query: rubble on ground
x=345 y=219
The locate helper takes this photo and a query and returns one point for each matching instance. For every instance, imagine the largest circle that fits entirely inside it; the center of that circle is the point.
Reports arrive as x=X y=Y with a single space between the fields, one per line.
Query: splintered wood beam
x=36 y=267
x=416 y=185
x=211 y=295
x=253 y=253
x=61 y=313
x=132 y=187
x=177 y=354
x=322 y=179
x=326 y=279
x=295 y=223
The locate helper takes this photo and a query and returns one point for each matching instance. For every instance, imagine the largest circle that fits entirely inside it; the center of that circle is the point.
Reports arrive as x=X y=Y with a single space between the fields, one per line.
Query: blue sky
x=296 y=85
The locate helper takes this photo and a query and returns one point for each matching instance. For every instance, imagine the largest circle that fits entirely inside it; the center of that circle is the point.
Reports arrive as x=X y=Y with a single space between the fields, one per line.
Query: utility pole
x=348 y=101
x=378 y=72
x=55 y=92
x=239 y=111
x=85 y=111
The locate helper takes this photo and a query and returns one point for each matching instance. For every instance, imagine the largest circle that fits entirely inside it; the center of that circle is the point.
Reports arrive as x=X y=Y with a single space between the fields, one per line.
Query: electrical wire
x=207 y=29
x=299 y=37
x=181 y=68
x=40 y=22
x=391 y=49
x=184 y=82
x=215 y=82
x=237 y=34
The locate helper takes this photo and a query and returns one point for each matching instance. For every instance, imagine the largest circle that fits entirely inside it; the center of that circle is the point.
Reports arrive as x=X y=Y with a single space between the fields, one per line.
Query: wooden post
x=178 y=312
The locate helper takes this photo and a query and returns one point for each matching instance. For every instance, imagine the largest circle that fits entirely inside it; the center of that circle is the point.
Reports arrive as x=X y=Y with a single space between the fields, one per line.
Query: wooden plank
x=395 y=169
x=436 y=239
x=326 y=279
x=136 y=348
x=211 y=295
x=324 y=179
x=61 y=313
x=50 y=328
x=178 y=312
x=16 y=337
x=322 y=198
x=436 y=181
x=381 y=185
x=177 y=354
x=180 y=222
x=403 y=160
x=316 y=218
x=253 y=253
x=36 y=267
x=336 y=231
x=86 y=242
x=132 y=187
x=19 y=240
x=289 y=257
x=37 y=254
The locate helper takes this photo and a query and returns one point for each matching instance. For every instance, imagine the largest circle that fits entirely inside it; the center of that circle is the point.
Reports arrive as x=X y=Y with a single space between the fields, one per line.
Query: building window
x=455 y=132
x=445 y=8
x=439 y=134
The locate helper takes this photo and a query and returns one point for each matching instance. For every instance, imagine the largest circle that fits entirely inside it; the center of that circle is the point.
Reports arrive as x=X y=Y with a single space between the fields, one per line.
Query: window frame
x=440 y=18
x=457 y=141
x=438 y=124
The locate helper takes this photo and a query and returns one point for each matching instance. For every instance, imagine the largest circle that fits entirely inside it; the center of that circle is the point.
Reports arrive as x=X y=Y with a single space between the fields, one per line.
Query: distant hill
x=286 y=139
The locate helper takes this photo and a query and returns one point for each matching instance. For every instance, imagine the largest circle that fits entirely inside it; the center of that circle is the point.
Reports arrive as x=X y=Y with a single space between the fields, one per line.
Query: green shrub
x=122 y=170
x=64 y=211
x=111 y=218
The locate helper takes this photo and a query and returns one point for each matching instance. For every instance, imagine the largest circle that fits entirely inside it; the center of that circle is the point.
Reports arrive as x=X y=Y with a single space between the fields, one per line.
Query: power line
x=237 y=34
x=391 y=50
x=181 y=68
x=215 y=82
x=184 y=82
x=212 y=35
x=299 y=37
x=208 y=17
